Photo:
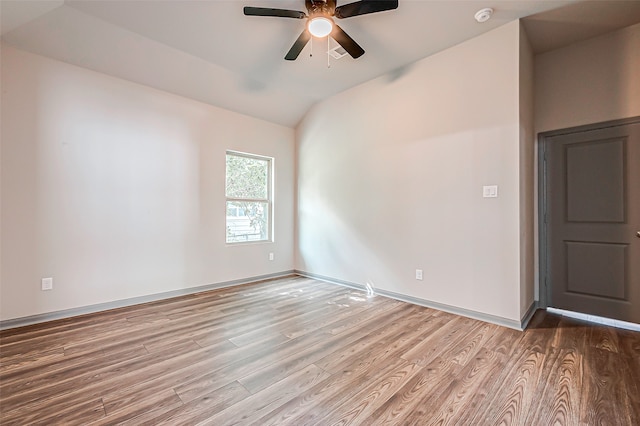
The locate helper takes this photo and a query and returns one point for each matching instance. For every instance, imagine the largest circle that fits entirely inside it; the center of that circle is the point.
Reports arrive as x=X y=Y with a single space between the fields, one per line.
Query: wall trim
x=83 y=310
x=526 y=318
x=596 y=319
x=505 y=322
x=591 y=126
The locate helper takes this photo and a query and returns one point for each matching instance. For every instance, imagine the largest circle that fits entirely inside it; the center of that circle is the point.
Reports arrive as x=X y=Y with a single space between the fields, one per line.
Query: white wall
x=390 y=178
x=589 y=82
x=528 y=216
x=116 y=190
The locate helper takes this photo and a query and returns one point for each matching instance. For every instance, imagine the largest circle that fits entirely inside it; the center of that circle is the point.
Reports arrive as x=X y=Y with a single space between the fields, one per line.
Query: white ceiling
x=209 y=51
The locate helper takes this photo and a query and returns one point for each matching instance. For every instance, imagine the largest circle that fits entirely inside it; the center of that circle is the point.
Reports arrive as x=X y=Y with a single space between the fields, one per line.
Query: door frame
x=544 y=288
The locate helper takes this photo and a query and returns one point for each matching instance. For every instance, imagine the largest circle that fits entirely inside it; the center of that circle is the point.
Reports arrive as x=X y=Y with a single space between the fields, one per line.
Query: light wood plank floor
x=296 y=351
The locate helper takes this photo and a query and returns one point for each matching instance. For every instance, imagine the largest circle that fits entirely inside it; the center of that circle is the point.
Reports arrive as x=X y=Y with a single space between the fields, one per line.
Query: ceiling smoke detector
x=483 y=15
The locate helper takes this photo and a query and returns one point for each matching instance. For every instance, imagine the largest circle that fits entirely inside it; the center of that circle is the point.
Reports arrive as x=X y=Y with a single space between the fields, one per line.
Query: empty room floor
x=296 y=351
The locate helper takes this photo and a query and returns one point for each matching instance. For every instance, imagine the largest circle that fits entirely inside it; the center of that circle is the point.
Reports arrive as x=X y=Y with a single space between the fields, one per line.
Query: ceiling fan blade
x=297 y=47
x=280 y=13
x=347 y=42
x=364 y=7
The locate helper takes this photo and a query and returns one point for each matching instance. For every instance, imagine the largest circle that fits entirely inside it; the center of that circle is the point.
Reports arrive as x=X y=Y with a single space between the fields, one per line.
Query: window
x=249 y=197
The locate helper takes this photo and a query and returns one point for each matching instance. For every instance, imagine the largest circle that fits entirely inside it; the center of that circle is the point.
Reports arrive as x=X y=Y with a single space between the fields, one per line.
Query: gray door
x=593 y=221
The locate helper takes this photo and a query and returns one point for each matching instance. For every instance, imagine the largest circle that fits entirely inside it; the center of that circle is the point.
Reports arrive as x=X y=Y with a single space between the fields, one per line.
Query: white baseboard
x=505 y=322
x=596 y=319
x=67 y=313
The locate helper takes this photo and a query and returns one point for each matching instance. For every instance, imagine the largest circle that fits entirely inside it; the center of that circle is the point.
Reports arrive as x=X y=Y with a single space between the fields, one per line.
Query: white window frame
x=268 y=200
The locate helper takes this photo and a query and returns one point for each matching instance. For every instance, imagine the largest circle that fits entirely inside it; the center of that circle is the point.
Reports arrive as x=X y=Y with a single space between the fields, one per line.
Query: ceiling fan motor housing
x=320 y=7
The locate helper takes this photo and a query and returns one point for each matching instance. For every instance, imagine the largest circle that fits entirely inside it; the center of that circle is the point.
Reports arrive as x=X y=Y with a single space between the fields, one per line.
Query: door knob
x=638 y=234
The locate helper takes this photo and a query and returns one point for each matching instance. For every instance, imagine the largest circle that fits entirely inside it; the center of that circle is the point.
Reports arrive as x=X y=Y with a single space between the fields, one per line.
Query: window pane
x=247 y=221
x=247 y=177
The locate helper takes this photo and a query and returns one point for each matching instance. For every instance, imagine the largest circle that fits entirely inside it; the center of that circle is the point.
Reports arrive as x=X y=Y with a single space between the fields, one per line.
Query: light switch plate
x=490 y=191
x=47 y=284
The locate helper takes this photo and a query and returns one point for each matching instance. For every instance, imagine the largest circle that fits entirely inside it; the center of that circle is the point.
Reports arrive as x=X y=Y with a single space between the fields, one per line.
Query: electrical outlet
x=270 y=256
x=47 y=284
x=418 y=274
x=490 y=191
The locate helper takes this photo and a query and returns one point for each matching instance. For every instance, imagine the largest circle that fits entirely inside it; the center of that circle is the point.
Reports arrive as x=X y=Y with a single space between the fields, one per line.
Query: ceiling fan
x=320 y=21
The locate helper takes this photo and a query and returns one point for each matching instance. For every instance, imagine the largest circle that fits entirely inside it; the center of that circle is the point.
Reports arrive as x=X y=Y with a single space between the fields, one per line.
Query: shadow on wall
x=322 y=254
x=398 y=73
x=260 y=75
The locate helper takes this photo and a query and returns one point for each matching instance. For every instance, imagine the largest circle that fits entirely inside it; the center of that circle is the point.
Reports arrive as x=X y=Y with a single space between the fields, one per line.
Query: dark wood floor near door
x=296 y=351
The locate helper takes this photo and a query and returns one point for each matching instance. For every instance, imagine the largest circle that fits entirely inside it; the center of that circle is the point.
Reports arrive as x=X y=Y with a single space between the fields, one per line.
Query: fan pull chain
x=311 y=51
x=328 y=55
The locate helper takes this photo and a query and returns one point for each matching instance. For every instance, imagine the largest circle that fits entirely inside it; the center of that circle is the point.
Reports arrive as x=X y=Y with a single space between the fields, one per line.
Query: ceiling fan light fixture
x=320 y=26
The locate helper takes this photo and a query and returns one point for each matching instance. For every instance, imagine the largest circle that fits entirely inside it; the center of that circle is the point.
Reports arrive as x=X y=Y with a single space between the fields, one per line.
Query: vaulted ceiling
x=209 y=51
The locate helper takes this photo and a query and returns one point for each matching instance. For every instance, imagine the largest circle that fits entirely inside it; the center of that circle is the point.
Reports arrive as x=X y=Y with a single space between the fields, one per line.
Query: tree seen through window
x=248 y=193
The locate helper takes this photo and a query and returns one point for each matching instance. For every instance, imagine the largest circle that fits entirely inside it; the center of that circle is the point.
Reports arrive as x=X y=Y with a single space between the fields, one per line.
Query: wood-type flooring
x=296 y=351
